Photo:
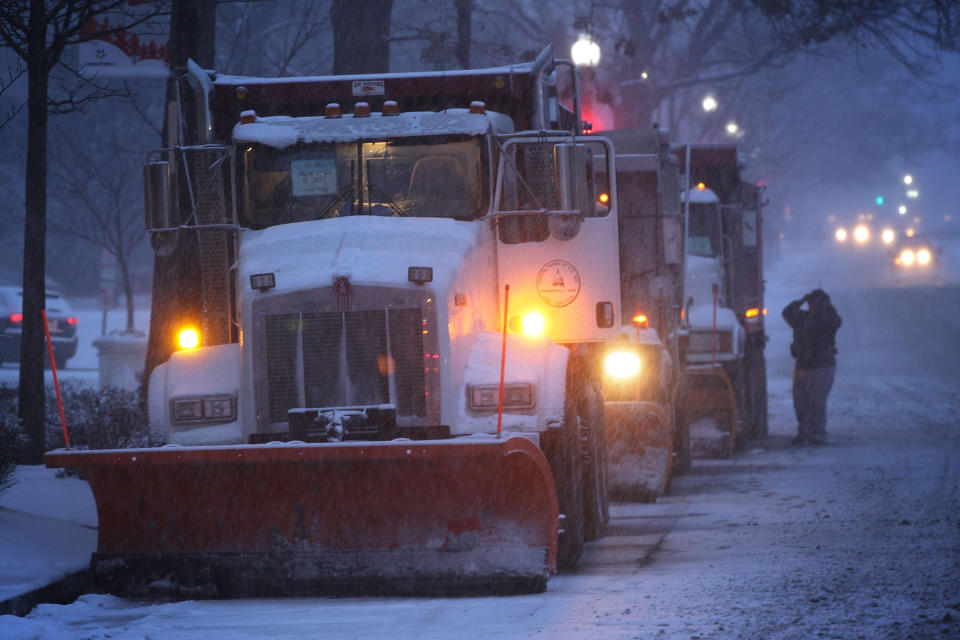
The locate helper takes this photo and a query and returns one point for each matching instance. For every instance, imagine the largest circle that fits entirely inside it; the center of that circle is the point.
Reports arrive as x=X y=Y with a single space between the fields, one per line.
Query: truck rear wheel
x=682 y=460
x=758 y=395
x=561 y=445
x=593 y=443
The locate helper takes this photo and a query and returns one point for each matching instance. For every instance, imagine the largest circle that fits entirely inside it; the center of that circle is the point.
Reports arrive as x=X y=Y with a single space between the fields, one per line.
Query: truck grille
x=343 y=359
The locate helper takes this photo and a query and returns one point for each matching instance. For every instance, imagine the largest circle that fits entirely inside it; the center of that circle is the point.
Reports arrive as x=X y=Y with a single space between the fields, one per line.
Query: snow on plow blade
x=707 y=404
x=640 y=450
x=386 y=517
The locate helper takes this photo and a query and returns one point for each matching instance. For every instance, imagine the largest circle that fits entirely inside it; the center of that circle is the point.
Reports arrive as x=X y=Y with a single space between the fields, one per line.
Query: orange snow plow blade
x=639 y=451
x=386 y=517
x=707 y=403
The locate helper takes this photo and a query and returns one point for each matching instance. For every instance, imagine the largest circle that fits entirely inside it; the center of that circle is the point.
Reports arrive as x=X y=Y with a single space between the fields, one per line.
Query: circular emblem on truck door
x=558 y=283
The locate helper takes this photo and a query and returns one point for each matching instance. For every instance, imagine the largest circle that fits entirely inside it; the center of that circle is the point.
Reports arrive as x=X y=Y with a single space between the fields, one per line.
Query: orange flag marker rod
x=56 y=382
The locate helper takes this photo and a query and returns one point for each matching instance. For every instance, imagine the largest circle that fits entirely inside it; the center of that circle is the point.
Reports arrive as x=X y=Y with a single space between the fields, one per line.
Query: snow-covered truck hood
x=700 y=275
x=369 y=250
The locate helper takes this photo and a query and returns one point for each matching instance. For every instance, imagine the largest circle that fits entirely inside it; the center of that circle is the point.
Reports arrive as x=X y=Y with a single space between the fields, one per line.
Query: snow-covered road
x=856 y=539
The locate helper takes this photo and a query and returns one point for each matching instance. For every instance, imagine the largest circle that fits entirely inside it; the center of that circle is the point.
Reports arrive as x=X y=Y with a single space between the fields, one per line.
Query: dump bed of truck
x=509 y=90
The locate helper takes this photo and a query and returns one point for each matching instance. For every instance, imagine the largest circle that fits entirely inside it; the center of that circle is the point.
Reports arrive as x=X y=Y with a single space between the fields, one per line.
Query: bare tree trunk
x=31 y=396
x=122 y=263
x=361 y=32
x=464 y=31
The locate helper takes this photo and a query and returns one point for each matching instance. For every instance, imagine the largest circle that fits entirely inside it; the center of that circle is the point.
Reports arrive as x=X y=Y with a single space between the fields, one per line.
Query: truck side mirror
x=156 y=189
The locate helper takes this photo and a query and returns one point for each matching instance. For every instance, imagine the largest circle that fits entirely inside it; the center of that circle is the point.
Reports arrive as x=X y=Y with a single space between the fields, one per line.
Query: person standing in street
x=814 y=348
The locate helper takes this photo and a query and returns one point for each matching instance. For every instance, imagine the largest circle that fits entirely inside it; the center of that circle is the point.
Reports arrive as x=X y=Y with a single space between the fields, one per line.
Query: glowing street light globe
x=585 y=52
x=732 y=128
x=908 y=179
x=710 y=104
x=902 y=210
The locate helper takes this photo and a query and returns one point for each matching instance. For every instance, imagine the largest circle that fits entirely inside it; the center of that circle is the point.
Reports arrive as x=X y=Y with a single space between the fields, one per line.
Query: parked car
x=60 y=319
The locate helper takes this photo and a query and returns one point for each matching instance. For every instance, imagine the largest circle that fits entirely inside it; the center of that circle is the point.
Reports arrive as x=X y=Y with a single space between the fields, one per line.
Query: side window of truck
x=522 y=191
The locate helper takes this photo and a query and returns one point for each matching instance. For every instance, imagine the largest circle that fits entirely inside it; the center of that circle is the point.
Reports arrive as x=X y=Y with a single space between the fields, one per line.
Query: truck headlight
x=532 y=324
x=923 y=256
x=622 y=364
x=215 y=408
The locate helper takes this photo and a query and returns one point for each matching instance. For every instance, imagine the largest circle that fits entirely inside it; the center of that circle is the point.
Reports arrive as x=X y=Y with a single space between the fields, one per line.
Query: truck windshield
x=427 y=177
x=703 y=236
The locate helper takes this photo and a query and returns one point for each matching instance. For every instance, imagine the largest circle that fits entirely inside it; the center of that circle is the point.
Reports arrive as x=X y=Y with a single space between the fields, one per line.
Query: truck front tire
x=561 y=445
x=593 y=440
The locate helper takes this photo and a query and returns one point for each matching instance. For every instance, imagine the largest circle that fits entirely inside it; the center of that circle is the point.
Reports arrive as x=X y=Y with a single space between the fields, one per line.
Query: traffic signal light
x=879 y=200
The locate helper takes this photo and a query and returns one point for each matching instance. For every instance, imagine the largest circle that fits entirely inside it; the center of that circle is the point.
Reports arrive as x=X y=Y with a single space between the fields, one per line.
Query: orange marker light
x=753 y=313
x=641 y=321
x=188 y=338
x=701 y=186
x=604 y=198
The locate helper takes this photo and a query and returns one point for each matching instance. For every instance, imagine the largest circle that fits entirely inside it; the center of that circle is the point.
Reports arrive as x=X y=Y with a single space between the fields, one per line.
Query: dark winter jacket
x=814 y=331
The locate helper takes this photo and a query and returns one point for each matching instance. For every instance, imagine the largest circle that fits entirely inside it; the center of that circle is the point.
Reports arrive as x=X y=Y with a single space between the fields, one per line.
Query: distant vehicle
x=60 y=318
x=915 y=257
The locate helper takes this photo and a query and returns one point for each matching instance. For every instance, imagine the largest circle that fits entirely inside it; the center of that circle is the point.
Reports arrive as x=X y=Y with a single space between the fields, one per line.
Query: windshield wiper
x=337 y=200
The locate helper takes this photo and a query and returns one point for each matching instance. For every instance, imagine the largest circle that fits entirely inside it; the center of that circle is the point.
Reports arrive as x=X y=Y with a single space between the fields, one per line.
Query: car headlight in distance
x=841 y=235
x=213 y=408
x=907 y=257
x=622 y=364
x=923 y=256
x=861 y=233
x=888 y=236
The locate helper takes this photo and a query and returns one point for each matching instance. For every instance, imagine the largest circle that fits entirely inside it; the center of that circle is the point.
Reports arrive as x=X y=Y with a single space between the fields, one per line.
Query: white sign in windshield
x=316 y=177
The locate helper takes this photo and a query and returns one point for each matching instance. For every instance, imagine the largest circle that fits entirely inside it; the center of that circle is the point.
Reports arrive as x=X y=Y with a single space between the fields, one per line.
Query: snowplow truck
x=395 y=295
x=640 y=410
x=722 y=392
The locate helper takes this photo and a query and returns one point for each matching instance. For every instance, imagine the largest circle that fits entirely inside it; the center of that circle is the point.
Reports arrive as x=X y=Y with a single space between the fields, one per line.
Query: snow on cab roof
x=283 y=131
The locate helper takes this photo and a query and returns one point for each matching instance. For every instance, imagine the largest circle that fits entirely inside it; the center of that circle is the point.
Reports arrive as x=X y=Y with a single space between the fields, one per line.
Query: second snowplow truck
x=722 y=391
x=397 y=296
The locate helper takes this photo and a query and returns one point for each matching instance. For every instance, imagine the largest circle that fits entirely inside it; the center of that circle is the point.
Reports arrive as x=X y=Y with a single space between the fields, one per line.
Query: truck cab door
x=555 y=220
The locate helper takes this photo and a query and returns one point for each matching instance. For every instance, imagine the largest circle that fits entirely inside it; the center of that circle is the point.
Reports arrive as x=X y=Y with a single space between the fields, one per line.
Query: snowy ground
x=856 y=539
x=48 y=529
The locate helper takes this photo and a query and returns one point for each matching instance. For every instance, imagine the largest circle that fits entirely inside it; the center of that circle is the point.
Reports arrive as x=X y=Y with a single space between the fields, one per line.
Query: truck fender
x=196 y=373
x=536 y=361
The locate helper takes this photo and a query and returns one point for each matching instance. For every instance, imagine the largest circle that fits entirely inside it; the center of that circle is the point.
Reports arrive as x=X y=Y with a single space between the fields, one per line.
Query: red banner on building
x=132 y=43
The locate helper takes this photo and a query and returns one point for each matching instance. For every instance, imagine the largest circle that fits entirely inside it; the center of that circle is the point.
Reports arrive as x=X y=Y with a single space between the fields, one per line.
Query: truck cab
x=723 y=387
